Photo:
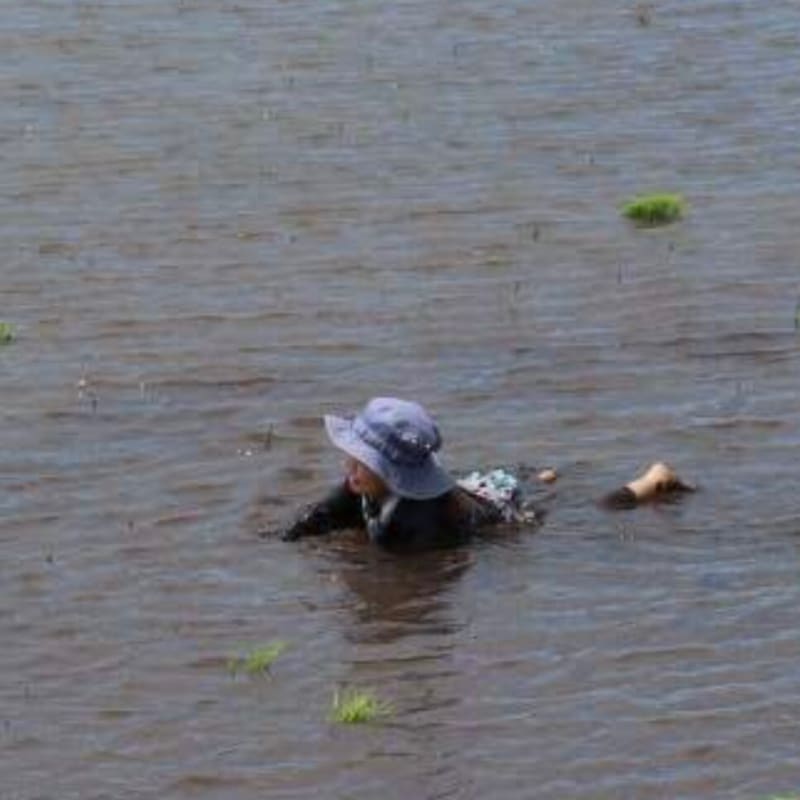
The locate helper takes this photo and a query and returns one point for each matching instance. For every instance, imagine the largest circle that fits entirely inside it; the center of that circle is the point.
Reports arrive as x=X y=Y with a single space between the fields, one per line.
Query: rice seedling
x=258 y=661
x=354 y=706
x=655 y=209
x=6 y=333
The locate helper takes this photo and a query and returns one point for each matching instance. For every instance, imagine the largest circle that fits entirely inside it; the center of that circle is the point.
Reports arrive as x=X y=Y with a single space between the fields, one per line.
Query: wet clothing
x=501 y=489
x=620 y=499
x=399 y=523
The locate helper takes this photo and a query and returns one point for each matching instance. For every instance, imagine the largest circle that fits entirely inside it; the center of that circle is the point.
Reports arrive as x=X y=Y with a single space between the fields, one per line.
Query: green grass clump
x=354 y=706
x=6 y=333
x=655 y=209
x=258 y=661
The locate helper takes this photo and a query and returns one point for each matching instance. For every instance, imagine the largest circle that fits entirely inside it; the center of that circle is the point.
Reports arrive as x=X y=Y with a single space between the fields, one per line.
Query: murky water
x=221 y=219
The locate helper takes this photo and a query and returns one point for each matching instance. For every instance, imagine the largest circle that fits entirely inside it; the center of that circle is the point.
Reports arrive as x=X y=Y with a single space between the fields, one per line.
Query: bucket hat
x=397 y=440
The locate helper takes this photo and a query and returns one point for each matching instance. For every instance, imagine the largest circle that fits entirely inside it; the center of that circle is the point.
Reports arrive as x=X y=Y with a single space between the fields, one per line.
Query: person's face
x=362 y=480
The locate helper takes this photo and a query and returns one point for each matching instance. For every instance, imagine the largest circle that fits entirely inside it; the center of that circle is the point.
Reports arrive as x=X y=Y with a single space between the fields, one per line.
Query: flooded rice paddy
x=220 y=220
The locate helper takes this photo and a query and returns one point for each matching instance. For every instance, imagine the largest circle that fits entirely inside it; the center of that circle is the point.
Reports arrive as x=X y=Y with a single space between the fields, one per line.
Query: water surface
x=220 y=220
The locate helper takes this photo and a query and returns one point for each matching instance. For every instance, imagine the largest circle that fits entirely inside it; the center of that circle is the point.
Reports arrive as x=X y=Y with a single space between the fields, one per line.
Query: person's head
x=391 y=447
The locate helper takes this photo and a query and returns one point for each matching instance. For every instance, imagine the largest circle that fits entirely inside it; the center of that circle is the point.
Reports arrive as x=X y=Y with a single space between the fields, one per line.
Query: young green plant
x=258 y=661
x=6 y=333
x=651 y=210
x=354 y=706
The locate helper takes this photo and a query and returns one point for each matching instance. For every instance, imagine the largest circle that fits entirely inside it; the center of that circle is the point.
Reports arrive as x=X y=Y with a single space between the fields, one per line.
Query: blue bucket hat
x=398 y=441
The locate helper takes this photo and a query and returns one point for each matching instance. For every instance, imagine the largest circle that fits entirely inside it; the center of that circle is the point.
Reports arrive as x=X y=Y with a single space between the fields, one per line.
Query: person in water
x=396 y=489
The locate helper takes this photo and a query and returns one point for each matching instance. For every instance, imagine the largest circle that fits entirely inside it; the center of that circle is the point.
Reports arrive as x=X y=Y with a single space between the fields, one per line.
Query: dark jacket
x=443 y=521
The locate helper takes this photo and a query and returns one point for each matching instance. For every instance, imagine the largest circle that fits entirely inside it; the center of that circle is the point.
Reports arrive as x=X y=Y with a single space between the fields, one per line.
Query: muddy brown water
x=220 y=220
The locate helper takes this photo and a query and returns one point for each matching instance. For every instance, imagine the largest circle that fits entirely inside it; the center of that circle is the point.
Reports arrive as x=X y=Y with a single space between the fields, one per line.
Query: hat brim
x=417 y=482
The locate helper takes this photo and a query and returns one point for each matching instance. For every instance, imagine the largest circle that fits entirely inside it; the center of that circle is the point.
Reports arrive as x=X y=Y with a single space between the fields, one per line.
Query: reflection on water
x=398 y=595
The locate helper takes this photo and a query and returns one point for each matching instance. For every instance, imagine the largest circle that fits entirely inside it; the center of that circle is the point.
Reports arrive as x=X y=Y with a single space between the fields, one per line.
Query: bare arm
x=658 y=480
x=339 y=510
